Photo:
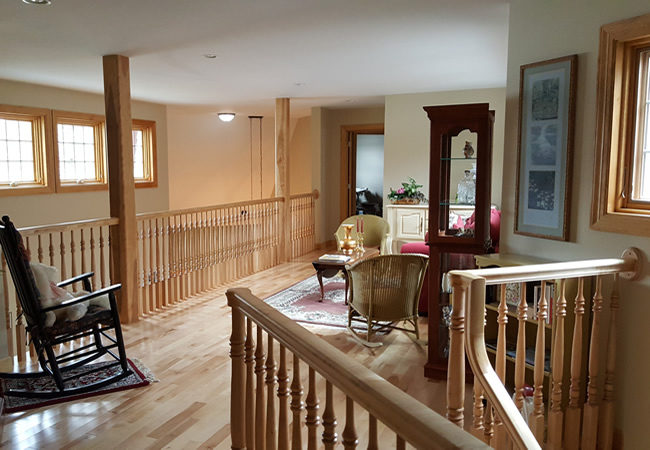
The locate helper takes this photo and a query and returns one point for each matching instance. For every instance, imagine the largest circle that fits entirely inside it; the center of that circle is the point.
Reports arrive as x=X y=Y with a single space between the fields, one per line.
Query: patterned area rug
x=141 y=377
x=301 y=303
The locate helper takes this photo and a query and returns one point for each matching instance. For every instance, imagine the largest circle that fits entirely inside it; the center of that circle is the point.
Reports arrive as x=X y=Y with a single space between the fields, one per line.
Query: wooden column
x=119 y=142
x=282 y=173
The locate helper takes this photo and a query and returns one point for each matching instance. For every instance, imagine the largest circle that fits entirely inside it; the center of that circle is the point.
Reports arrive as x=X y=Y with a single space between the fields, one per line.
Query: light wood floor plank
x=187 y=348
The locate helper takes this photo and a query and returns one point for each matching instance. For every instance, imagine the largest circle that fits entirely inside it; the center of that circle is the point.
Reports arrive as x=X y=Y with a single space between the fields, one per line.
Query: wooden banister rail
x=469 y=293
x=412 y=421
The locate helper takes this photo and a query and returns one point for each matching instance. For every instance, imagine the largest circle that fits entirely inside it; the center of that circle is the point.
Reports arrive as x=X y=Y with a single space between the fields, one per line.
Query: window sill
x=636 y=224
x=7 y=191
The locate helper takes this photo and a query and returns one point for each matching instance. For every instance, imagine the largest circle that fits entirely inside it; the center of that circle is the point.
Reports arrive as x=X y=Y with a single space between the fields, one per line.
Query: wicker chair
x=53 y=343
x=375 y=232
x=385 y=290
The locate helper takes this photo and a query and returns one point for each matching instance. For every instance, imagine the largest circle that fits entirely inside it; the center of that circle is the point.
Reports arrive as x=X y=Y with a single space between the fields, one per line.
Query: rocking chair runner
x=95 y=324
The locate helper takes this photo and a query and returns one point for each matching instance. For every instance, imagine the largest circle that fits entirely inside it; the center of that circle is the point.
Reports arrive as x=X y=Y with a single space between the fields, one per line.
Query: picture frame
x=547 y=97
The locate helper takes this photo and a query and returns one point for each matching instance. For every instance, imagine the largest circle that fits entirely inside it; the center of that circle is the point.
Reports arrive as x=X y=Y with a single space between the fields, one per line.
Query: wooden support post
x=282 y=174
x=119 y=142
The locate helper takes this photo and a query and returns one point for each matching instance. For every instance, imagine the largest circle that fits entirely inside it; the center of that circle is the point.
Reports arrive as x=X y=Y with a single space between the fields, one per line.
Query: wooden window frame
x=101 y=175
x=611 y=208
x=43 y=159
x=148 y=128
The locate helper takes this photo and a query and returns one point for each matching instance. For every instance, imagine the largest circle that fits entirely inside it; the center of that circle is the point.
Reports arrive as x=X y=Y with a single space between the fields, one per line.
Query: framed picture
x=545 y=147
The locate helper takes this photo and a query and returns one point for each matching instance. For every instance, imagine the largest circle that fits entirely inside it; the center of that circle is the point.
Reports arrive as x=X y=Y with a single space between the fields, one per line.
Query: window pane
x=89 y=135
x=16 y=151
x=77 y=149
x=26 y=151
x=12 y=130
x=27 y=171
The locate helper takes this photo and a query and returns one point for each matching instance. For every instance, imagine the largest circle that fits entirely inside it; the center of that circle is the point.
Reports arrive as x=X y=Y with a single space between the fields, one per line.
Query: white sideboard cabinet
x=408 y=223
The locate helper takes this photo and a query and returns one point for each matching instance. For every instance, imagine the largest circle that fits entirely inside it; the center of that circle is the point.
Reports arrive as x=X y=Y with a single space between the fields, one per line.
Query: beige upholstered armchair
x=384 y=291
x=375 y=231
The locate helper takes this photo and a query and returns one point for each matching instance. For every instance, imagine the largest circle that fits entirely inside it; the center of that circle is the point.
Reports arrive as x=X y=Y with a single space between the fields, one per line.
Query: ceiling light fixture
x=37 y=2
x=226 y=117
x=207 y=55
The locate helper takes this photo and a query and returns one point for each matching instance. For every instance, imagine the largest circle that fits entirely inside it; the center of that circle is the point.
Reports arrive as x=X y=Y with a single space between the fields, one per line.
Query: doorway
x=362 y=170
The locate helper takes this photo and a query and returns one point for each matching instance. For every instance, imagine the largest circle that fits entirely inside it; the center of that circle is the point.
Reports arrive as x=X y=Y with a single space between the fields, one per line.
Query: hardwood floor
x=187 y=348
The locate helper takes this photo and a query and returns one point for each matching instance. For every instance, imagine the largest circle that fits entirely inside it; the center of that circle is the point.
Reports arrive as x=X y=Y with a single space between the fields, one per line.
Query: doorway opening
x=362 y=170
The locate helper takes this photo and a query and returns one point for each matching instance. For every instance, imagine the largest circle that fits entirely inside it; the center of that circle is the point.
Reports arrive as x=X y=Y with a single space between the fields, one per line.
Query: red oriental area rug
x=140 y=377
x=301 y=303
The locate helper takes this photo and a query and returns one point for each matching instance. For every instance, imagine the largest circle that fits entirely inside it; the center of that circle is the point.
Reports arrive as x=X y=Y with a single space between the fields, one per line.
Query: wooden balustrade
x=303 y=223
x=570 y=424
x=180 y=253
x=354 y=397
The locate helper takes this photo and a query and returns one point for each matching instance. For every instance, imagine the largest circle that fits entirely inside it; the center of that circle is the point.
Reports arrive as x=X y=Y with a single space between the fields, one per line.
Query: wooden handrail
x=67 y=226
x=470 y=286
x=176 y=212
x=407 y=417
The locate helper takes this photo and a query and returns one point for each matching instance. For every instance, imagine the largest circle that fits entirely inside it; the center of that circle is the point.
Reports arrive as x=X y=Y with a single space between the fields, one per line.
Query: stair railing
x=501 y=421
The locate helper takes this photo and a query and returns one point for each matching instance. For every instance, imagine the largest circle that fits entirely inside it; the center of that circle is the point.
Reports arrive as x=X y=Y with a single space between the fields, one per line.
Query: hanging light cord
x=261 y=157
x=250 y=134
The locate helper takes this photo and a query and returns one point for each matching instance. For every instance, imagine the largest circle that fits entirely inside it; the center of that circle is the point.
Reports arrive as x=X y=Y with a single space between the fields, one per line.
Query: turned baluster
x=151 y=237
x=73 y=259
x=520 y=358
x=606 y=428
x=40 y=249
x=283 y=397
x=488 y=424
x=500 y=435
x=51 y=249
x=64 y=272
x=237 y=387
x=349 y=436
x=297 y=405
x=140 y=269
x=478 y=411
x=158 y=263
x=271 y=379
x=590 y=413
x=456 y=365
x=7 y=307
x=312 y=420
x=555 y=416
x=329 y=437
x=573 y=412
x=536 y=418
x=249 y=360
x=102 y=258
x=372 y=433
x=260 y=401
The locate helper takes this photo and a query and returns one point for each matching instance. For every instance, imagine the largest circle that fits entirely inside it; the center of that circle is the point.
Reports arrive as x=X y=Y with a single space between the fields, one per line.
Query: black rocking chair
x=48 y=340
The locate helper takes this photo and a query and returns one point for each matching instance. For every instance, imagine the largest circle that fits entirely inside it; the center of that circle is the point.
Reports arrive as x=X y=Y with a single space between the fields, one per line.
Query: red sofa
x=423 y=248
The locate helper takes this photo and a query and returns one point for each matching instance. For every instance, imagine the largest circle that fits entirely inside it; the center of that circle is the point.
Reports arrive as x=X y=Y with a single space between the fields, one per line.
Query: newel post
x=119 y=143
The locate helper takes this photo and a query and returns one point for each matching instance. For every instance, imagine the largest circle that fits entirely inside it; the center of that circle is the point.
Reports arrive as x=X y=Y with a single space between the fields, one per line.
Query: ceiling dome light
x=226 y=117
x=37 y=2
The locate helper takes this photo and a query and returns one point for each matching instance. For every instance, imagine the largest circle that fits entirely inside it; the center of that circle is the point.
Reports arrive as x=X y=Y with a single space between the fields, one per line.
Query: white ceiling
x=346 y=52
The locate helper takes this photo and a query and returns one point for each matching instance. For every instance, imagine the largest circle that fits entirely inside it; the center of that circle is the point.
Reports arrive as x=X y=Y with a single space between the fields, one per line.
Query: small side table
x=328 y=269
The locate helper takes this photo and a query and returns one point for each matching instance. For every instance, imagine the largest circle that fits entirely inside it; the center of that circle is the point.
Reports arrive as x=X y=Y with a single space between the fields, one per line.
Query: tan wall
x=300 y=156
x=210 y=160
x=545 y=30
x=326 y=160
x=406 y=144
x=27 y=210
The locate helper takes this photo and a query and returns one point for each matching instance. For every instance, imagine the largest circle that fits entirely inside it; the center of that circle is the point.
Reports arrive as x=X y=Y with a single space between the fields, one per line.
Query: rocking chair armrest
x=82 y=277
x=83 y=298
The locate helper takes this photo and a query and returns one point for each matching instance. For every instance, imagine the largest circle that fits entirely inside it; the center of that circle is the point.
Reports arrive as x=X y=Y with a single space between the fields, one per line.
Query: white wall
x=406 y=145
x=28 y=210
x=546 y=30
